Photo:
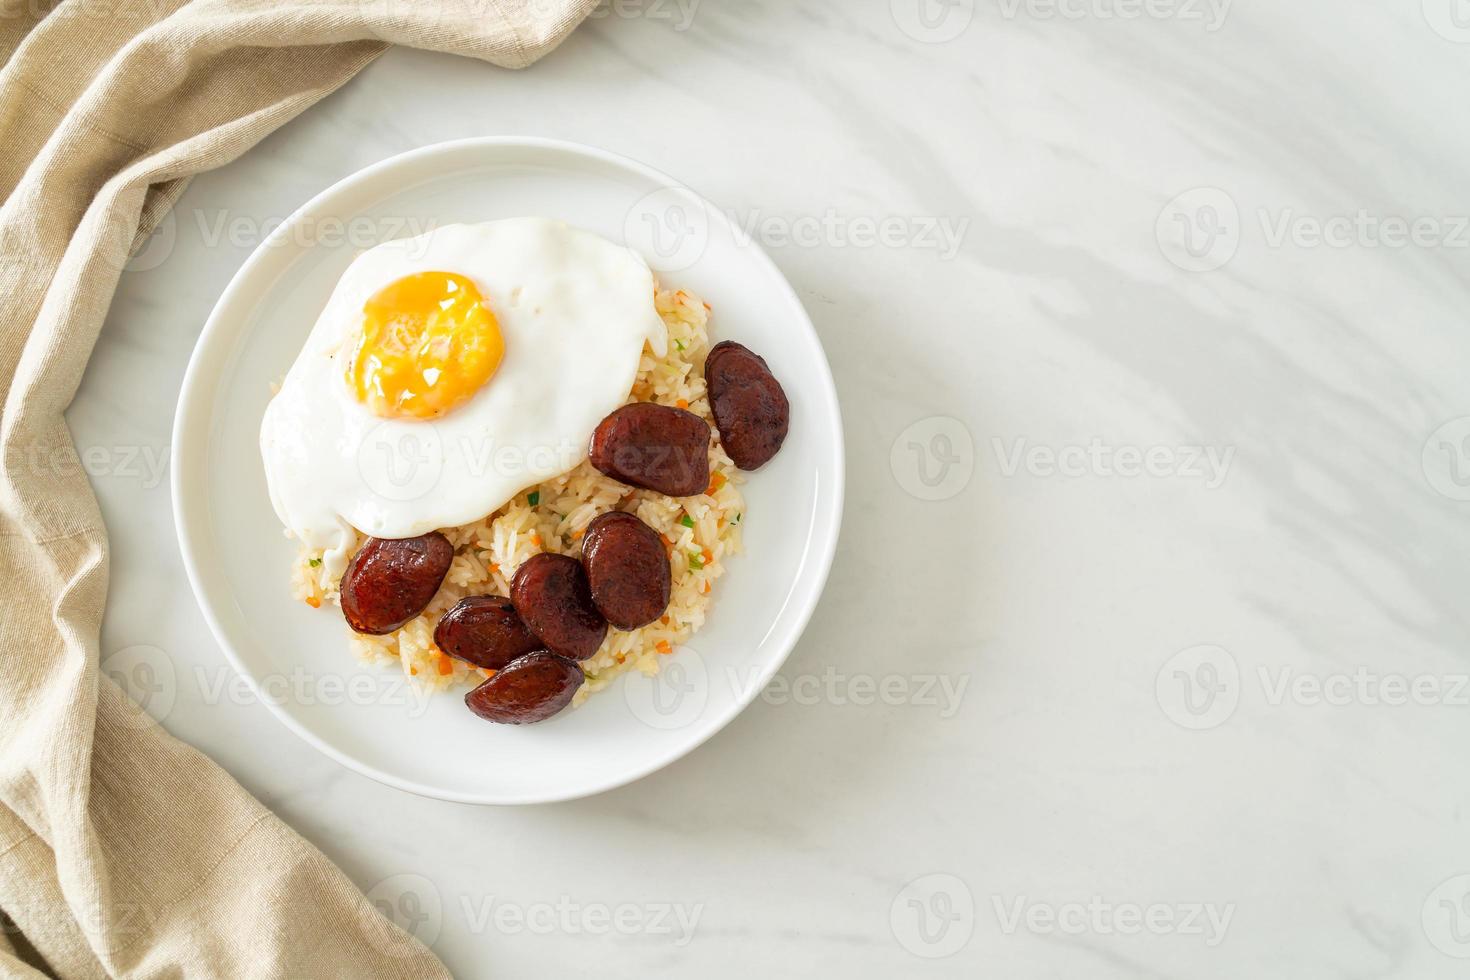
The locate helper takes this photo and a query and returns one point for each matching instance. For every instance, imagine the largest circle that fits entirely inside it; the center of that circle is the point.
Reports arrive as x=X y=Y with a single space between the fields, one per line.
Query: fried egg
x=450 y=371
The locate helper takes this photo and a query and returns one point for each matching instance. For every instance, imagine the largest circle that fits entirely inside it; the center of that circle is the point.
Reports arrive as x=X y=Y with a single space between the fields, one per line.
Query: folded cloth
x=123 y=852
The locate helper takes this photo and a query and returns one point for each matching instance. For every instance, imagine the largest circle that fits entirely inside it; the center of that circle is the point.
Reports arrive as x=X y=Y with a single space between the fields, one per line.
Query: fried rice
x=701 y=532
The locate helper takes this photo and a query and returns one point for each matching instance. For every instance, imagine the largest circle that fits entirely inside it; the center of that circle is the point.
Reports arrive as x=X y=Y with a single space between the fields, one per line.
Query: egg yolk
x=428 y=343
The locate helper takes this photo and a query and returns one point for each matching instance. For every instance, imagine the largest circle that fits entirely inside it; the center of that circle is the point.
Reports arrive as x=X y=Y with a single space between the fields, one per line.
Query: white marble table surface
x=1158 y=484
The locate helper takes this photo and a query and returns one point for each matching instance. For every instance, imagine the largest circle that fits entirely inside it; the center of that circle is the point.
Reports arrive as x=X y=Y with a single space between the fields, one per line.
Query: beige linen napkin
x=124 y=852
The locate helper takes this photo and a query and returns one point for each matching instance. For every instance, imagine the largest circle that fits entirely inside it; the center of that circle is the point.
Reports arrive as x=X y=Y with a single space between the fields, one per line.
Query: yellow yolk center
x=428 y=343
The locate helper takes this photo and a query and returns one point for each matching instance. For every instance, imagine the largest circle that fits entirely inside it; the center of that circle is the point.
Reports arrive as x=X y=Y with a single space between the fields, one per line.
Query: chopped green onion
x=696 y=560
x=679 y=344
x=687 y=521
x=533 y=498
x=315 y=562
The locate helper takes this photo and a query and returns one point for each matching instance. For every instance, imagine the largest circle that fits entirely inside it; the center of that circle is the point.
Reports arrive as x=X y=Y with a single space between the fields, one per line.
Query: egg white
x=574 y=310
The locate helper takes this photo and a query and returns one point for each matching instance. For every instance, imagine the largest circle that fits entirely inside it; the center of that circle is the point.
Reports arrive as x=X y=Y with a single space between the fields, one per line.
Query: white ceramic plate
x=297 y=658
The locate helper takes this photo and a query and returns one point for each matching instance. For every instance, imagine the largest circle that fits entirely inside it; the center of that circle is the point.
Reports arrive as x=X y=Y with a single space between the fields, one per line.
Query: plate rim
x=194 y=399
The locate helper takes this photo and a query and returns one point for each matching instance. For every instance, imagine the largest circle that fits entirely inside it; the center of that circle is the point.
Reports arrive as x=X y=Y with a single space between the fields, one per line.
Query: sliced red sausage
x=748 y=403
x=486 y=631
x=390 y=580
x=531 y=688
x=627 y=569
x=654 y=447
x=552 y=596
